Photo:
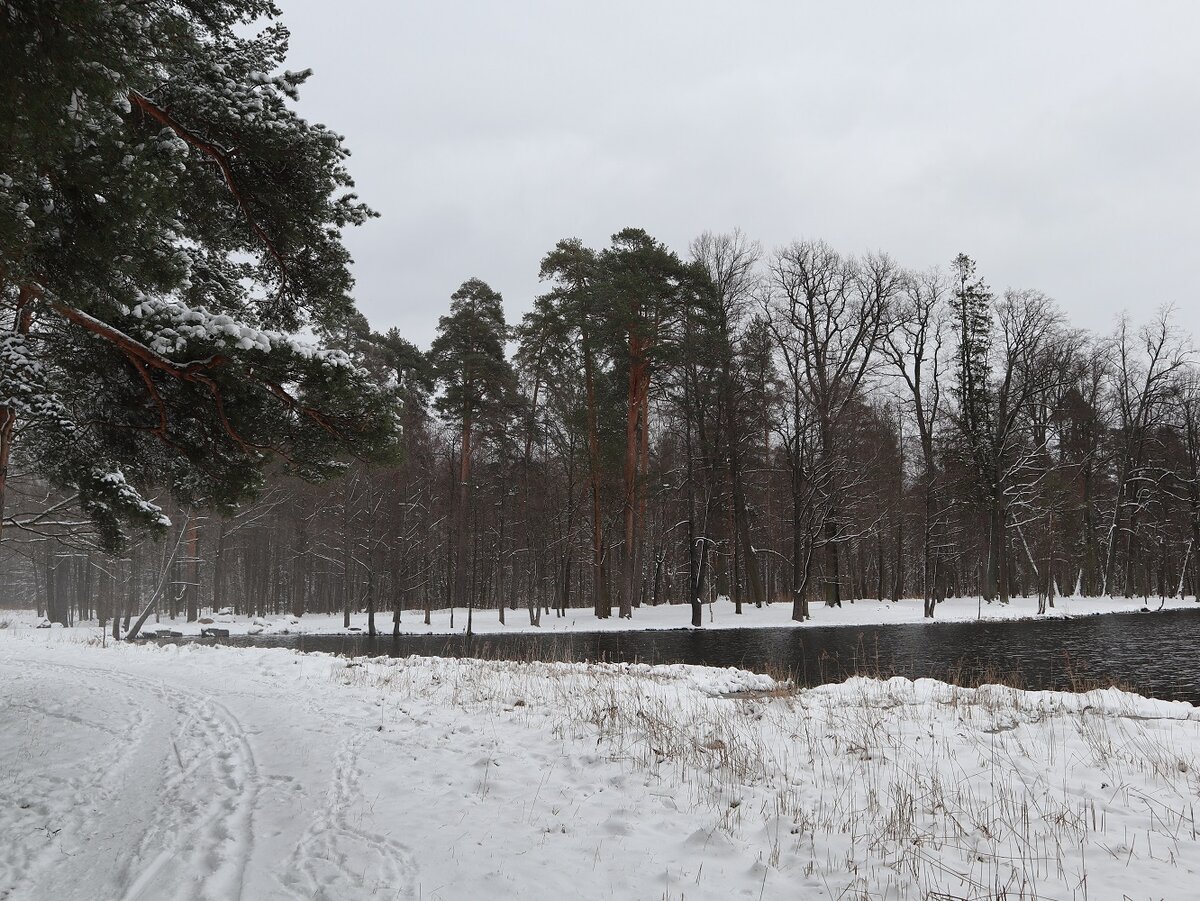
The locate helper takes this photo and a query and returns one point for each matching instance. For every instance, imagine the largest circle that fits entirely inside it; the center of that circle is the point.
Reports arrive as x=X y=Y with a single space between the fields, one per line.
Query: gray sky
x=1056 y=143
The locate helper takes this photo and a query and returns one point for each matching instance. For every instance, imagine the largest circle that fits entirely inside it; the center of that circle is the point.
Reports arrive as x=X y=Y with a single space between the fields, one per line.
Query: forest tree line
x=797 y=426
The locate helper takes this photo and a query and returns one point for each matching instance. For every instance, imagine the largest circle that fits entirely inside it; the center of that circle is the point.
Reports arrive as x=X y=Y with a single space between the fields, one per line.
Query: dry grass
x=874 y=789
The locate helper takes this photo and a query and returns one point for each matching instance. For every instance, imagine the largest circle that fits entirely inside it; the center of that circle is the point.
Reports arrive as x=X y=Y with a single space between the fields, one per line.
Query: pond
x=1157 y=654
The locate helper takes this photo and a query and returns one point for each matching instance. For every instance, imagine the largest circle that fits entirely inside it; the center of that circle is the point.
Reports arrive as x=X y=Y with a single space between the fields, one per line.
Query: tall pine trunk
x=600 y=597
x=460 y=534
x=638 y=382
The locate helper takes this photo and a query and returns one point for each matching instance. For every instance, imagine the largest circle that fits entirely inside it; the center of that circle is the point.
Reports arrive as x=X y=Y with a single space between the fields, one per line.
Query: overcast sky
x=1056 y=143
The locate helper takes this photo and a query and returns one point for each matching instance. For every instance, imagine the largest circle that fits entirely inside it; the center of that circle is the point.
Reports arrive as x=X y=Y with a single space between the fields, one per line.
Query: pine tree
x=971 y=310
x=550 y=360
x=972 y=314
x=477 y=386
x=642 y=286
x=574 y=307
x=168 y=225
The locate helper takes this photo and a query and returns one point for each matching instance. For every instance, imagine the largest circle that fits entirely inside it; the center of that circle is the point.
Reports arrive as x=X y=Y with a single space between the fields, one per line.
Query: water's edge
x=1156 y=653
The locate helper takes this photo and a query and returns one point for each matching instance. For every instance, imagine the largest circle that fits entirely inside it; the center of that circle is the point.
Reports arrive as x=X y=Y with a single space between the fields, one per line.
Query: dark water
x=1157 y=654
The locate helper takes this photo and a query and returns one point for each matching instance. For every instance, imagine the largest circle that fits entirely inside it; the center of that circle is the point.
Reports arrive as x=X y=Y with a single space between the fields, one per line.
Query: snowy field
x=185 y=772
x=667 y=616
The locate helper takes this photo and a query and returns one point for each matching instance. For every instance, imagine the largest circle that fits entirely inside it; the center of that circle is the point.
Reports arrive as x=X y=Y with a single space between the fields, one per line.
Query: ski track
x=338 y=860
x=189 y=835
x=216 y=838
x=199 y=838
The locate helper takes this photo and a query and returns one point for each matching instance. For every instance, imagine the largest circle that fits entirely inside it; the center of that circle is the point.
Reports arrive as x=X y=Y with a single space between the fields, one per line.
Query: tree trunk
x=220 y=571
x=300 y=561
x=131 y=596
x=637 y=384
x=879 y=566
x=741 y=521
x=1002 y=561
x=427 y=576
x=193 y=567
x=833 y=575
x=898 y=574
x=371 y=600
x=601 y=599
x=117 y=605
x=800 y=611
x=460 y=536
x=23 y=319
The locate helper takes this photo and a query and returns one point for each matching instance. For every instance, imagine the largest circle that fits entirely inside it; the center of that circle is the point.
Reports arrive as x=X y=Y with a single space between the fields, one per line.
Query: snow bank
x=719 y=615
x=217 y=772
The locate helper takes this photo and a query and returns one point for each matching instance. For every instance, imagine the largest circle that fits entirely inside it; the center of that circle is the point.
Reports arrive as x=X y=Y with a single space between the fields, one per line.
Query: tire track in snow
x=337 y=860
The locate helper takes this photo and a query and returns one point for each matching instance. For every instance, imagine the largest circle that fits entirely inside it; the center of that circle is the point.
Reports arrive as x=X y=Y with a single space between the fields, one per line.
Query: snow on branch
x=221 y=157
x=171 y=324
x=107 y=488
x=23 y=386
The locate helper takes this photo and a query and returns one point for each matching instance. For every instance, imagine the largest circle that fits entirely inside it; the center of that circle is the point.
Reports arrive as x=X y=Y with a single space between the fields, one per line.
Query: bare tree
x=829 y=315
x=1141 y=388
x=730 y=261
x=915 y=346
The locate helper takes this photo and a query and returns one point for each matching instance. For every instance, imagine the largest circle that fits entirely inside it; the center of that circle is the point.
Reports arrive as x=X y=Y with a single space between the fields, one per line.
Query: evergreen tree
x=168 y=225
x=644 y=289
x=574 y=308
x=973 y=445
x=972 y=314
x=478 y=386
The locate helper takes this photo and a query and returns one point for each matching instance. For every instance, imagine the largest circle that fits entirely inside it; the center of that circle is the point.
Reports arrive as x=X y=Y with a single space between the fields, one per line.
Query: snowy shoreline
x=219 y=772
x=718 y=615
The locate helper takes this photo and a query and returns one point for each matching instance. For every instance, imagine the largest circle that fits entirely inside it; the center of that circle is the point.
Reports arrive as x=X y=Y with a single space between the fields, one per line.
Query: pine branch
x=221 y=157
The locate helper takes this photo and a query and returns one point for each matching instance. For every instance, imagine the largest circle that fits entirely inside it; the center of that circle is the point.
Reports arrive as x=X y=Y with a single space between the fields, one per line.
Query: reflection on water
x=1157 y=654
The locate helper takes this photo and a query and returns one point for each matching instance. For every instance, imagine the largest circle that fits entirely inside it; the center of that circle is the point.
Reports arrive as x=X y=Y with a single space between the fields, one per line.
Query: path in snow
x=123 y=786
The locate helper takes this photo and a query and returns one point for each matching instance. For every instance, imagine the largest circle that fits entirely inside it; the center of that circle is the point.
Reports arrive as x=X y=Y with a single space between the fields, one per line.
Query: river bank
x=717 y=615
x=215 y=772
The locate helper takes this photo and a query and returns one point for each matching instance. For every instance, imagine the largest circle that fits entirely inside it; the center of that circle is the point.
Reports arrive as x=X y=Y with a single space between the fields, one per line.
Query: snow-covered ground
x=187 y=772
x=667 y=616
